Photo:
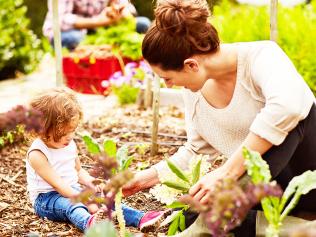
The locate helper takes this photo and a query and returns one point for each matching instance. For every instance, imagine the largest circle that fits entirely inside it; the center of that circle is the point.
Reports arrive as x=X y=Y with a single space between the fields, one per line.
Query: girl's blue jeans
x=55 y=207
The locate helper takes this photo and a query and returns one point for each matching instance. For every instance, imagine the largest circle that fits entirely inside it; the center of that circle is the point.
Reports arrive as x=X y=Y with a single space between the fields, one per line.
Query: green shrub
x=126 y=94
x=122 y=36
x=296 y=31
x=19 y=46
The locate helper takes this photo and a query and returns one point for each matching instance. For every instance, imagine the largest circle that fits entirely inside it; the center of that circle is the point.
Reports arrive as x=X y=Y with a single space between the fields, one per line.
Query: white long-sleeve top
x=270 y=98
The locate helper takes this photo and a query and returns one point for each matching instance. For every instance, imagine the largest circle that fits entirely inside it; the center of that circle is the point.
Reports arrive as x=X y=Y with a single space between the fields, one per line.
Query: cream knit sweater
x=269 y=99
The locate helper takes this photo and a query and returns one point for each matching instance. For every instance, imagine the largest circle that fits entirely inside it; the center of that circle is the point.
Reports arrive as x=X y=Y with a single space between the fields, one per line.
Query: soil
x=128 y=125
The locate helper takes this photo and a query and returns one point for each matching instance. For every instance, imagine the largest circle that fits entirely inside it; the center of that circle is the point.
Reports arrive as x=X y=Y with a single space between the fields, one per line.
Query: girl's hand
x=97 y=188
x=202 y=190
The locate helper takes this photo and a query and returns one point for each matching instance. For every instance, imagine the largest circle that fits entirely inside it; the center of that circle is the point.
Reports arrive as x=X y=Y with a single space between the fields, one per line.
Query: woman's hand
x=202 y=190
x=142 y=180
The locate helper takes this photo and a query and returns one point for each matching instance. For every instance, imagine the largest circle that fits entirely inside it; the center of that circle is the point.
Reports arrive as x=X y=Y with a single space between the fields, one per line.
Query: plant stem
x=119 y=213
x=290 y=206
x=272 y=231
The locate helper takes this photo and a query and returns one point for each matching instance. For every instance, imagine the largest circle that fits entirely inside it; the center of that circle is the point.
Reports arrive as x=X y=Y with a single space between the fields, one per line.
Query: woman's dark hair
x=180 y=30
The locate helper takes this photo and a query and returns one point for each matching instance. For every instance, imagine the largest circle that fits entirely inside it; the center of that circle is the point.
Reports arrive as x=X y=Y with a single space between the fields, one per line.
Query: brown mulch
x=127 y=125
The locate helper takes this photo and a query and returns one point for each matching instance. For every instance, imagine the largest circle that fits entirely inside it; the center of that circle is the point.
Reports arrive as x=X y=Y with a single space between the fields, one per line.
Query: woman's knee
x=70 y=39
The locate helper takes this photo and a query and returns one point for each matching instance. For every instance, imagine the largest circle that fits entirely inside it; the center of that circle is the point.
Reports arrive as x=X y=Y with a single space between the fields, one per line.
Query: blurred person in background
x=77 y=17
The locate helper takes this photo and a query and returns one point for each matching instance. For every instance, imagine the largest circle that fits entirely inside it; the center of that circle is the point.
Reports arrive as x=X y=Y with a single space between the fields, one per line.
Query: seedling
x=184 y=181
x=277 y=208
x=112 y=166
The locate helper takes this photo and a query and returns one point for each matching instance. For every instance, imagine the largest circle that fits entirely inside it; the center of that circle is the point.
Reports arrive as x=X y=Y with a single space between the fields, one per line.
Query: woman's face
x=191 y=76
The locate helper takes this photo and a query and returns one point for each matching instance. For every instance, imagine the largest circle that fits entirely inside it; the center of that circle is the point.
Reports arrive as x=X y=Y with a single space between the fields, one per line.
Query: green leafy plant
x=122 y=36
x=113 y=164
x=276 y=209
x=229 y=204
x=104 y=228
x=126 y=84
x=182 y=183
x=126 y=94
x=19 y=46
x=296 y=31
x=178 y=221
x=188 y=180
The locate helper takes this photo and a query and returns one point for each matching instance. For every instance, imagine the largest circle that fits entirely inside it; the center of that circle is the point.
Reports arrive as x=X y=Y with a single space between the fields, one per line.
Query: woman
x=242 y=94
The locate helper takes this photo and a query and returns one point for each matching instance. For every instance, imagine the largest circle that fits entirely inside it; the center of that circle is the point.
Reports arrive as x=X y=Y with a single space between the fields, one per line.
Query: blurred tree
x=19 y=46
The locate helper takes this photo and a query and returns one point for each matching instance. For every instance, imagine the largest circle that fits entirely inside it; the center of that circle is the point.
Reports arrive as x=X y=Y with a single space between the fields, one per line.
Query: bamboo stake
x=274 y=20
x=57 y=45
x=156 y=103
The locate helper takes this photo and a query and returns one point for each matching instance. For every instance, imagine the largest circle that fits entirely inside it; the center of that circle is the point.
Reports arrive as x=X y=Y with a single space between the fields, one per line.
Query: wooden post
x=156 y=103
x=57 y=44
x=274 y=20
x=148 y=90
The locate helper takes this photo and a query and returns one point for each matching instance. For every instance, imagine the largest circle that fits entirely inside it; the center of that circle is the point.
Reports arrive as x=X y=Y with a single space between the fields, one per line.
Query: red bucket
x=85 y=75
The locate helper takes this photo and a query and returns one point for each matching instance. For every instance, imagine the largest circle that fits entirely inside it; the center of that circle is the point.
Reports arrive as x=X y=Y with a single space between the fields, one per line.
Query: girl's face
x=191 y=77
x=69 y=132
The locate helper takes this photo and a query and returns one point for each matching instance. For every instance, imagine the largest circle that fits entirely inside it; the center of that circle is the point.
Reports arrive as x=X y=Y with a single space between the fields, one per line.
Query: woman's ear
x=191 y=64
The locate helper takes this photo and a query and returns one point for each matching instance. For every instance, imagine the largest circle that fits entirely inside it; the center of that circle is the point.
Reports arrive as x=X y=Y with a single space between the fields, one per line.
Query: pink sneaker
x=96 y=218
x=152 y=219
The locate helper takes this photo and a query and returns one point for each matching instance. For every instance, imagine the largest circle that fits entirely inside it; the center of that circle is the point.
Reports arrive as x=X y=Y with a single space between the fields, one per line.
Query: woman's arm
x=233 y=168
x=39 y=163
x=106 y=18
x=194 y=145
x=288 y=99
x=142 y=180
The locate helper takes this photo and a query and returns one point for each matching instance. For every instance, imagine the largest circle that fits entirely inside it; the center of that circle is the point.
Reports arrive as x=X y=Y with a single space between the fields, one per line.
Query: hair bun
x=179 y=17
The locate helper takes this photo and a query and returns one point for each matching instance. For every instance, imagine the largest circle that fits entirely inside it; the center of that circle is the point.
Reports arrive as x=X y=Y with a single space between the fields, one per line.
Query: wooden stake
x=148 y=91
x=57 y=45
x=156 y=103
x=274 y=20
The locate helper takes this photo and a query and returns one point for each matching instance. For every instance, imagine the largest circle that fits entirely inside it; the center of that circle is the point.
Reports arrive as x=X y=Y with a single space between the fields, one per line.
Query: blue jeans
x=70 y=39
x=55 y=207
x=142 y=24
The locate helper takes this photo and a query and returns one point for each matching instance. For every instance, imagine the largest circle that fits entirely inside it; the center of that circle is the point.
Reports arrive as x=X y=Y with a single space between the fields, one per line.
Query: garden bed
x=128 y=125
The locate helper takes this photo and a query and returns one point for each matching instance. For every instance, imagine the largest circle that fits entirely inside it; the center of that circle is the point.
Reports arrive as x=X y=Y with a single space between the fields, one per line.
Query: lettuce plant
x=122 y=36
x=277 y=208
x=229 y=204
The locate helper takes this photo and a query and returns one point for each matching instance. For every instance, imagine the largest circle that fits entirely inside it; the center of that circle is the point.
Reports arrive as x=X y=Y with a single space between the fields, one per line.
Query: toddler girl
x=54 y=172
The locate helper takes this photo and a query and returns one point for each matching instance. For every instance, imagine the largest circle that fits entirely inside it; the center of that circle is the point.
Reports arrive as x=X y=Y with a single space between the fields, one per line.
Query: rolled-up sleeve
x=288 y=98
